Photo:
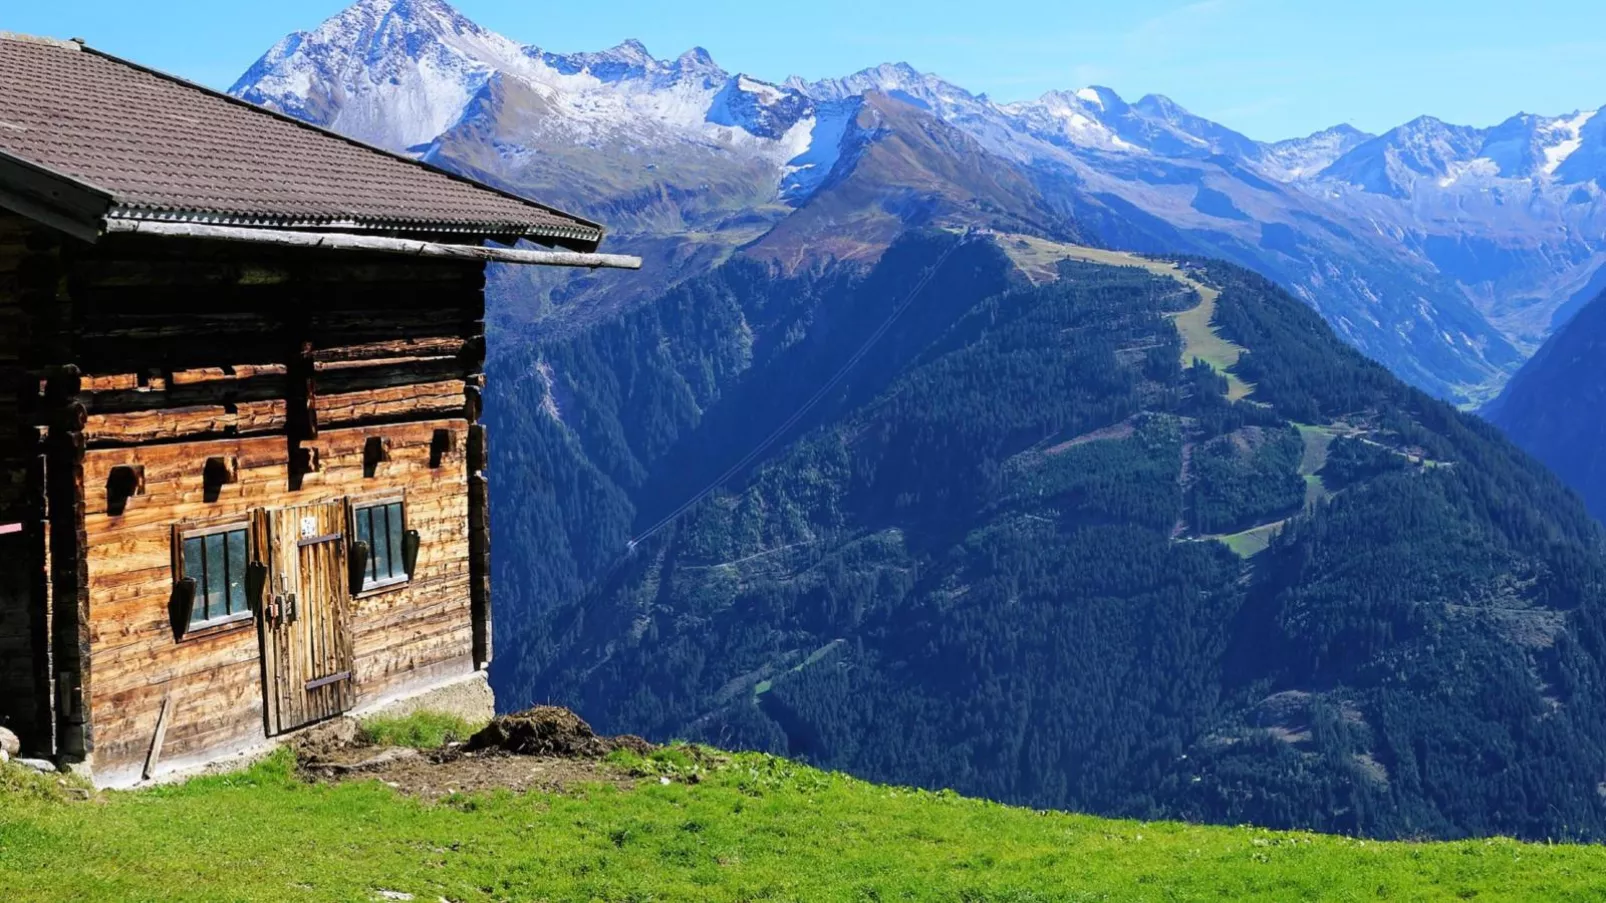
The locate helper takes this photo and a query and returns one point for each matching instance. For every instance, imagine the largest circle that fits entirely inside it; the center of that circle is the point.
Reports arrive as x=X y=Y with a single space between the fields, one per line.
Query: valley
x=1555 y=407
x=1035 y=496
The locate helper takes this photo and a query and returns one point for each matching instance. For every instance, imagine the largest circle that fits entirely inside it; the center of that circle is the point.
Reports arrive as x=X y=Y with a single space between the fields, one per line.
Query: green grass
x=1200 y=341
x=421 y=730
x=755 y=828
x=1253 y=541
x=1318 y=440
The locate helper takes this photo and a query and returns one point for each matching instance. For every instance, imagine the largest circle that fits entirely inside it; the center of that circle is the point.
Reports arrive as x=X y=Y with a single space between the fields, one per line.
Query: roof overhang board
x=342 y=241
x=49 y=197
x=579 y=238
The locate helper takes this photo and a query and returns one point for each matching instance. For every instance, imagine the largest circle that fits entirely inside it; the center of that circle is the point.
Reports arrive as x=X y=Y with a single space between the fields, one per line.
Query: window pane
x=365 y=533
x=195 y=567
x=398 y=567
x=381 y=543
x=217 y=592
x=367 y=515
x=236 y=544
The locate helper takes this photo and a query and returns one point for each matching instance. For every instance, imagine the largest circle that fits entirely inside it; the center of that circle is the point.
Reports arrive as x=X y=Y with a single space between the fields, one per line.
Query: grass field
x=1252 y=541
x=753 y=828
x=1318 y=439
x=1037 y=258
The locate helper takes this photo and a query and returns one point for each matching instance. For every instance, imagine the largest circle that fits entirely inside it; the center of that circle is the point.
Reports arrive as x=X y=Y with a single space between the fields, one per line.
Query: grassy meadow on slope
x=751 y=827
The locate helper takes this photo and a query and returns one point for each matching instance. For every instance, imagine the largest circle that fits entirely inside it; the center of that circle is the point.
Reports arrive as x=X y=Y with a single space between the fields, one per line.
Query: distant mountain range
x=1447 y=252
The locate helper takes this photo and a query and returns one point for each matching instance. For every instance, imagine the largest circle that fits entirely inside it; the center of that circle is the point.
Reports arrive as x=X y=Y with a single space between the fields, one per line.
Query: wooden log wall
x=283 y=364
x=417 y=632
x=29 y=278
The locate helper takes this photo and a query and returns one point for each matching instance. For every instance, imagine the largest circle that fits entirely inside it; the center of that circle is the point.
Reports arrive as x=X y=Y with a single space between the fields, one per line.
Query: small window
x=384 y=529
x=123 y=483
x=375 y=452
x=440 y=445
x=216 y=561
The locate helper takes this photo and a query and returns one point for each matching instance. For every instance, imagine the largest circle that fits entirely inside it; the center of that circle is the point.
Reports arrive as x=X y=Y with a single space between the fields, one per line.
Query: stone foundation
x=469 y=698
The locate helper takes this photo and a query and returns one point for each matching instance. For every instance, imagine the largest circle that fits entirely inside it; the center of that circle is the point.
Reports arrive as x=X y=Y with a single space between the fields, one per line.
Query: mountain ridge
x=1450 y=302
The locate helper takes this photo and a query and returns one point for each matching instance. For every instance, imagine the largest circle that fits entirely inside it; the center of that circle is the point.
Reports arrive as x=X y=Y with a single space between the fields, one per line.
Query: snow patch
x=825 y=135
x=1478 y=167
x=767 y=93
x=1572 y=129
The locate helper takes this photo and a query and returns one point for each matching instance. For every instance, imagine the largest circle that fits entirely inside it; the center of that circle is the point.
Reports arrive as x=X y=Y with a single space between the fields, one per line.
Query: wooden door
x=306 y=615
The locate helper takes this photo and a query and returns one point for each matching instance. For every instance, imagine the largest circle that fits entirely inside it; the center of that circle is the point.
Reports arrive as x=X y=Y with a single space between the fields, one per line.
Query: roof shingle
x=163 y=147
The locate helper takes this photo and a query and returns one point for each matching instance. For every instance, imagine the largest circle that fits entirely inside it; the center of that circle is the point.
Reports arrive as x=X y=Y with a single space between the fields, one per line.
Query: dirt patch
x=328 y=740
x=544 y=749
x=1123 y=430
x=437 y=774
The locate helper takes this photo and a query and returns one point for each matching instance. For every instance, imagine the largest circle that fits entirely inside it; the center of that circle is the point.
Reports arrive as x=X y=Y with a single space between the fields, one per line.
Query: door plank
x=312 y=652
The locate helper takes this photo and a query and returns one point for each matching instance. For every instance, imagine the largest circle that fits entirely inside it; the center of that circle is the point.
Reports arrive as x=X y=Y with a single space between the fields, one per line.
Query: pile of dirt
x=546 y=748
x=550 y=731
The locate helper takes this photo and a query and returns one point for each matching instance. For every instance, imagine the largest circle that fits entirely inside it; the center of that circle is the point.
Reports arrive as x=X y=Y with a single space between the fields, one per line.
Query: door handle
x=291 y=612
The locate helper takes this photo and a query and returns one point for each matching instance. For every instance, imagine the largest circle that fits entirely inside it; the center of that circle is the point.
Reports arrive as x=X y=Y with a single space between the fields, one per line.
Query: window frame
x=376 y=500
x=234 y=620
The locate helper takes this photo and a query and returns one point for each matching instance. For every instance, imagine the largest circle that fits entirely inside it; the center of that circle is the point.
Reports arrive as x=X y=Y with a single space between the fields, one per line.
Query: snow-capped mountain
x=1524 y=147
x=1514 y=214
x=1296 y=158
x=1442 y=250
x=1393 y=162
x=401 y=73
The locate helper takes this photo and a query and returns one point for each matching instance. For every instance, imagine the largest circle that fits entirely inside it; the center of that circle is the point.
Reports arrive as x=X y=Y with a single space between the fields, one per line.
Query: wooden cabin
x=242 y=476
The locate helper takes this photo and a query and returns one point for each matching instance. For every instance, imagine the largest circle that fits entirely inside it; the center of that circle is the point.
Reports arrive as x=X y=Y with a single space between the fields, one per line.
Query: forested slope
x=1008 y=554
x=1555 y=407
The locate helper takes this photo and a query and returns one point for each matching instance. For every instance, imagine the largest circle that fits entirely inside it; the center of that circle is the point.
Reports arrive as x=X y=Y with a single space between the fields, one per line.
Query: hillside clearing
x=1253 y=541
x=1317 y=439
x=1037 y=258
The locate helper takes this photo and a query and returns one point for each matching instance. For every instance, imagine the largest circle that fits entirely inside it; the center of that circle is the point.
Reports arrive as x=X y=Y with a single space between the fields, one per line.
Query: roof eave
x=578 y=235
x=55 y=199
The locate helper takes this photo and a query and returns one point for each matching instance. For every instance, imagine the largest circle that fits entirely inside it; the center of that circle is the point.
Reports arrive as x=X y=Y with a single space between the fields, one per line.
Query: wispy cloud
x=1249 y=110
x=1179 y=28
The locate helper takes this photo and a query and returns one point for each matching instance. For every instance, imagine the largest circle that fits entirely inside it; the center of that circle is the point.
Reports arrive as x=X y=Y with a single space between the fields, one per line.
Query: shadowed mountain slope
x=1555 y=407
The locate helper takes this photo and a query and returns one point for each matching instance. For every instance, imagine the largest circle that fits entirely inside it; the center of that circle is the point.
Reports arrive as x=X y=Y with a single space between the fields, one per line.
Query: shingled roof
x=112 y=138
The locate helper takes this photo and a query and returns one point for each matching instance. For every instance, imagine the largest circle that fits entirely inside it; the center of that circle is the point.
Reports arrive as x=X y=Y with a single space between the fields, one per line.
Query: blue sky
x=1270 y=68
